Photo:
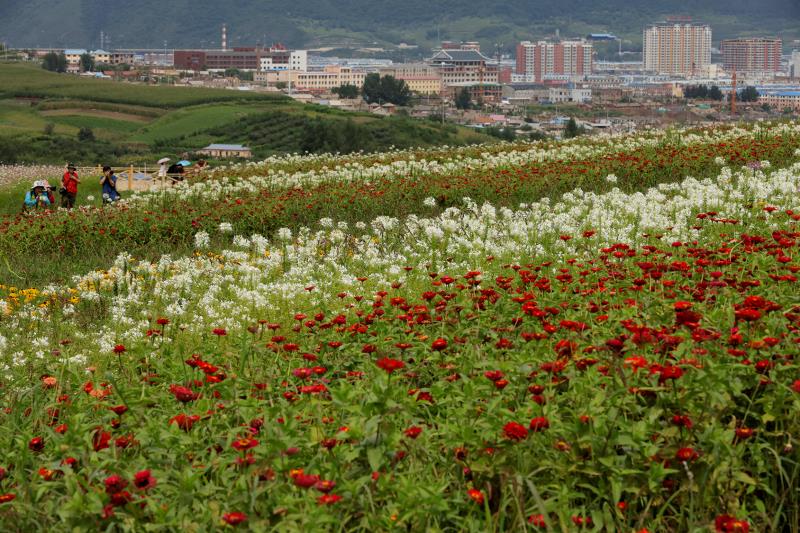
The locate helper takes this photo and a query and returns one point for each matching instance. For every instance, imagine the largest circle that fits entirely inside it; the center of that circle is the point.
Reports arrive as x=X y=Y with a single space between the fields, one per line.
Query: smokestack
x=224 y=36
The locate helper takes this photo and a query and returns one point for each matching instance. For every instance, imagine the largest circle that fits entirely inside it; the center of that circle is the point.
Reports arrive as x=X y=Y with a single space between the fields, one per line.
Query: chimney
x=224 y=36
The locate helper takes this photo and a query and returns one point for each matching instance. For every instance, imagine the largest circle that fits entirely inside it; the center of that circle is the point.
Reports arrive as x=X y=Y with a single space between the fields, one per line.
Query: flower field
x=610 y=346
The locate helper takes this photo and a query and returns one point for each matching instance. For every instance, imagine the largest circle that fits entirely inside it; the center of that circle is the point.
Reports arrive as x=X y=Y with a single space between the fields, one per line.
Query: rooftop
x=226 y=147
x=459 y=55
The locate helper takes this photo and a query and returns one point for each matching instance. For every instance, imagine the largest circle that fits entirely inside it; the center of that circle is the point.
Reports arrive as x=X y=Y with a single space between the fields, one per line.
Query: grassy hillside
x=41 y=115
x=148 y=23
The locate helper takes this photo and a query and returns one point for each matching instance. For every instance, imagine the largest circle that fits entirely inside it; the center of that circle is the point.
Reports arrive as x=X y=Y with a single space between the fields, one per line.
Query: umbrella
x=163 y=160
x=185 y=163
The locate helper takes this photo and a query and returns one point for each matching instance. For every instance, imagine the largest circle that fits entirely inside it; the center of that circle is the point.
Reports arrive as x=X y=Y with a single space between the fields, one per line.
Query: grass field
x=41 y=114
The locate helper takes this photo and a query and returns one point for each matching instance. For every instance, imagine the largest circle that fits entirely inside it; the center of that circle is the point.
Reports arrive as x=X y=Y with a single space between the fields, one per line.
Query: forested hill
x=149 y=23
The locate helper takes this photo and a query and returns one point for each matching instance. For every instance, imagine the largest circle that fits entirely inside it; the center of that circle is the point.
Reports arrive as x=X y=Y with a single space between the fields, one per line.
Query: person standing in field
x=37 y=197
x=69 y=187
x=109 y=183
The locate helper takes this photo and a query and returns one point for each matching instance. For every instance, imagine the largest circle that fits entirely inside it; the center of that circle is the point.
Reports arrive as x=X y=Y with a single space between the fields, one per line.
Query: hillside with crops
x=597 y=334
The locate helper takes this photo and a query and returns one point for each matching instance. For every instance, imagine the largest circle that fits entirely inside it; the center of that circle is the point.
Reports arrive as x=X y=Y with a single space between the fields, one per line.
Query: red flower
x=413 y=432
x=537 y=520
x=119 y=409
x=234 y=519
x=119 y=348
x=115 y=484
x=728 y=524
x=183 y=421
x=539 y=423
x=439 y=344
x=183 y=394
x=219 y=332
x=36 y=444
x=744 y=433
x=244 y=444
x=5 y=498
x=328 y=499
x=686 y=454
x=669 y=372
x=142 y=480
x=324 y=485
x=796 y=386
x=305 y=481
x=390 y=365
x=515 y=431
x=476 y=495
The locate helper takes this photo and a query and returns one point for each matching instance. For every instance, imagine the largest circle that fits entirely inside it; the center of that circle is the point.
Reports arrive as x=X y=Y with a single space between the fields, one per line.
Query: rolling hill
x=182 y=23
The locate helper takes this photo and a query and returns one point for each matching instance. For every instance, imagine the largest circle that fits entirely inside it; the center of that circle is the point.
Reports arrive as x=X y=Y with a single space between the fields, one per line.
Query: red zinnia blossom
x=234 y=519
x=413 y=432
x=306 y=480
x=185 y=422
x=744 y=433
x=686 y=454
x=36 y=444
x=244 y=444
x=219 y=332
x=121 y=498
x=142 y=480
x=728 y=524
x=669 y=372
x=328 y=499
x=796 y=386
x=439 y=344
x=119 y=409
x=537 y=520
x=515 y=431
x=390 y=365
x=324 y=485
x=115 y=484
x=162 y=321
x=119 y=348
x=183 y=394
x=539 y=423
x=5 y=498
x=476 y=495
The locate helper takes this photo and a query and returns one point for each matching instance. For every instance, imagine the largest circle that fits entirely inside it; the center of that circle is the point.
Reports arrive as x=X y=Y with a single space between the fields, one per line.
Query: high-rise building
x=539 y=60
x=794 y=64
x=678 y=47
x=757 y=56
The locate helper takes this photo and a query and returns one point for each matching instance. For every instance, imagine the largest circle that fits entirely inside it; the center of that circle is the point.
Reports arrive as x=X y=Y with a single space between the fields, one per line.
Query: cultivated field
x=591 y=335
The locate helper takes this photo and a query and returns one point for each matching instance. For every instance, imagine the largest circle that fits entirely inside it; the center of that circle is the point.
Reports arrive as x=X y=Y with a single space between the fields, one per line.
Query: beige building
x=314 y=81
x=781 y=100
x=677 y=48
x=226 y=150
x=420 y=77
x=101 y=56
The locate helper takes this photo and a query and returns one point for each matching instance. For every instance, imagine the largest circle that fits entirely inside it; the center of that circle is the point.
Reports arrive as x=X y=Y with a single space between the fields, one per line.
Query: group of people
x=41 y=194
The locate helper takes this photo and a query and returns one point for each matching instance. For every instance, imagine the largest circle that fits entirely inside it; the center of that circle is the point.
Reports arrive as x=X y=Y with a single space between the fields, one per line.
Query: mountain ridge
x=358 y=23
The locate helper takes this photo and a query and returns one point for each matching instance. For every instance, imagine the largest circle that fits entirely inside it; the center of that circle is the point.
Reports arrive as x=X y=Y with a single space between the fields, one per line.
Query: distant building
x=559 y=95
x=781 y=100
x=313 y=81
x=542 y=59
x=464 y=66
x=678 y=48
x=226 y=150
x=254 y=58
x=101 y=56
x=421 y=78
x=751 y=56
x=478 y=92
x=794 y=64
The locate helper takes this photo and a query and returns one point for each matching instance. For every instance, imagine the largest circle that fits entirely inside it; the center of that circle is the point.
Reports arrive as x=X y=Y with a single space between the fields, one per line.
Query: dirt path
x=127 y=117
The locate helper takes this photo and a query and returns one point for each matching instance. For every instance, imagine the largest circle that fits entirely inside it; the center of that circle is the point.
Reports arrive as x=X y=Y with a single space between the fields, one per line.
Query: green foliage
x=87 y=62
x=571 y=130
x=346 y=91
x=463 y=99
x=379 y=89
x=702 y=92
x=86 y=135
x=748 y=94
x=54 y=62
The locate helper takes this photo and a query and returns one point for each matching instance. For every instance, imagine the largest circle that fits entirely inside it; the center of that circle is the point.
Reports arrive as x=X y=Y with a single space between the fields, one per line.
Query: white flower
x=201 y=240
x=90 y=198
x=430 y=201
x=225 y=227
x=611 y=178
x=719 y=160
x=285 y=234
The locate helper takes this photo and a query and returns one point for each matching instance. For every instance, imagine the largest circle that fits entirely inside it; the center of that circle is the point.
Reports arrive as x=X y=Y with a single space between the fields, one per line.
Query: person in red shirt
x=69 y=187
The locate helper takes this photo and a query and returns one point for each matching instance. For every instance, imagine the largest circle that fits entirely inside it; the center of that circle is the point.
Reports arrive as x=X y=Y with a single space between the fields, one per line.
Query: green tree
x=714 y=93
x=87 y=62
x=463 y=99
x=55 y=62
x=386 y=89
x=571 y=130
x=748 y=94
x=346 y=91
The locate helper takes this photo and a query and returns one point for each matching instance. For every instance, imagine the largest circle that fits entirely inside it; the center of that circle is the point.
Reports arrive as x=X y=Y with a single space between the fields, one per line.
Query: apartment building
x=752 y=56
x=781 y=100
x=677 y=48
x=243 y=58
x=316 y=81
x=541 y=60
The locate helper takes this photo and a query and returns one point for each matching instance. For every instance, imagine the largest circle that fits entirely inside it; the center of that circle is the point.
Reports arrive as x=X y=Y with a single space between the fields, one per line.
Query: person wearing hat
x=69 y=187
x=37 y=197
x=109 y=183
